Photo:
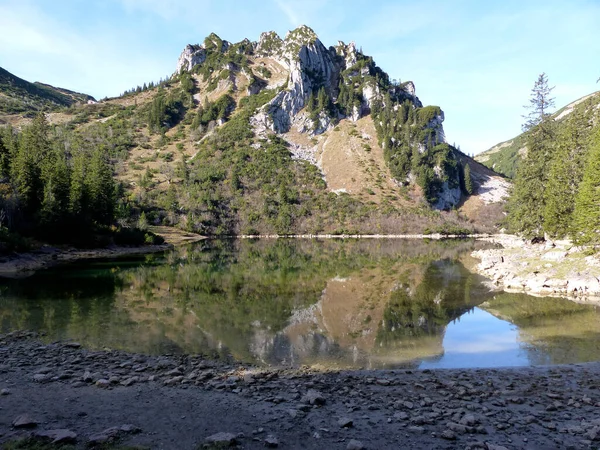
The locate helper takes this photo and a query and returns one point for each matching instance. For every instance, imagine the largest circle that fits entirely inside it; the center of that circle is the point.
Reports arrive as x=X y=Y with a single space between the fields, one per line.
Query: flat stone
x=222 y=438
x=112 y=433
x=271 y=441
x=61 y=436
x=103 y=383
x=495 y=447
x=73 y=345
x=24 y=421
x=345 y=422
x=41 y=377
x=5 y=391
x=99 y=438
x=355 y=445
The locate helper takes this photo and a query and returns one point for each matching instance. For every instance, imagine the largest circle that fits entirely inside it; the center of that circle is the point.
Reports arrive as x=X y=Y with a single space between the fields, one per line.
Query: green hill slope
x=18 y=96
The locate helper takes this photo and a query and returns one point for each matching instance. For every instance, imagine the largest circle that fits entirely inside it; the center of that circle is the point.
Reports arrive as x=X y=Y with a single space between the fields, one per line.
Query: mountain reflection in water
x=332 y=303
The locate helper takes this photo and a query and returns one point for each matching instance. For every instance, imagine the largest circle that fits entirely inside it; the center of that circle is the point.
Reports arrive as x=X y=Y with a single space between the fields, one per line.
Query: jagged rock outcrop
x=268 y=45
x=311 y=66
x=191 y=56
x=436 y=124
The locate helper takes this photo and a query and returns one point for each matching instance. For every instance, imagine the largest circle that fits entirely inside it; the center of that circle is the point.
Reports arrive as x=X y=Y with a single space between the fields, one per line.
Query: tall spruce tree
x=526 y=204
x=29 y=163
x=566 y=172
x=586 y=217
x=78 y=196
x=55 y=202
x=468 y=180
x=101 y=188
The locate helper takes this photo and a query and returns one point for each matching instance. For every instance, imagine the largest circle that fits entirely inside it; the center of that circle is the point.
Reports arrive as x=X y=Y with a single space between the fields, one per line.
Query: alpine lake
x=332 y=303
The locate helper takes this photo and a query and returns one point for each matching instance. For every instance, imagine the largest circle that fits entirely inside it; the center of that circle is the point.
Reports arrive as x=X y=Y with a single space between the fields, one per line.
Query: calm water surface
x=333 y=303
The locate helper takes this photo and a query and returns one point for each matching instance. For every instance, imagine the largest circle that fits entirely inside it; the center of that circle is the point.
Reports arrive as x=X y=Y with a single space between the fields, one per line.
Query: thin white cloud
x=289 y=12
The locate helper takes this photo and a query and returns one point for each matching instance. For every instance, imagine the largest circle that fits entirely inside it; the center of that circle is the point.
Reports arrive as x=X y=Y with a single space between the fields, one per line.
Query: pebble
x=449 y=435
x=103 y=383
x=313 y=397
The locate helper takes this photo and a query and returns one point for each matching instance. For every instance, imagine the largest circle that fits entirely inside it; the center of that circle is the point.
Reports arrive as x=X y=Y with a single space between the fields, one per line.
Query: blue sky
x=477 y=59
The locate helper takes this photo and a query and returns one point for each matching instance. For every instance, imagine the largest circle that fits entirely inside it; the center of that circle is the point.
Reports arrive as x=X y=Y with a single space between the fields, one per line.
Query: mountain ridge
x=21 y=96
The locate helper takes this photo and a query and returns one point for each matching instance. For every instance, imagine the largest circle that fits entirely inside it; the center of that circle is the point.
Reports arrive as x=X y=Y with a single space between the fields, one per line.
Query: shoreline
x=435 y=236
x=24 y=264
x=550 y=269
x=185 y=401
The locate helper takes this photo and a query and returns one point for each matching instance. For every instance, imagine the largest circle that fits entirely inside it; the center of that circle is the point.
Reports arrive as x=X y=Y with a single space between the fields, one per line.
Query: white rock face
x=191 y=56
x=409 y=87
x=309 y=62
x=348 y=52
x=436 y=125
x=370 y=94
x=448 y=197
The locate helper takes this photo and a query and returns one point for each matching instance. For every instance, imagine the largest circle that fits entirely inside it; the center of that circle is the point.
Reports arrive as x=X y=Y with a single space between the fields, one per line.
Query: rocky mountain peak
x=269 y=44
x=303 y=35
x=348 y=52
x=316 y=87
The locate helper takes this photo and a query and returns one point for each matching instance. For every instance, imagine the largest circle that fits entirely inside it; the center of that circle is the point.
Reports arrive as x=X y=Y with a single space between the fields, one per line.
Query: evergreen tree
x=55 y=202
x=101 y=188
x=566 y=172
x=323 y=101
x=526 y=204
x=540 y=103
x=31 y=157
x=468 y=180
x=587 y=204
x=4 y=158
x=78 y=197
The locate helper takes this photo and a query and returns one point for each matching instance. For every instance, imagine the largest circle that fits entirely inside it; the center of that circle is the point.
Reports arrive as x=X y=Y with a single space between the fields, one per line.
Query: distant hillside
x=18 y=96
x=505 y=156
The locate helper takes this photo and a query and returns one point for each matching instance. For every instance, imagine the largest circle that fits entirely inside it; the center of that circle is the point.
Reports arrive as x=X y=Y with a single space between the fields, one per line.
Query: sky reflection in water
x=478 y=339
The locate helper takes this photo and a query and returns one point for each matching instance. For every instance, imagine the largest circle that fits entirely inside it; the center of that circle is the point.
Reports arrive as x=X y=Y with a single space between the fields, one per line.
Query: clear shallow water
x=355 y=303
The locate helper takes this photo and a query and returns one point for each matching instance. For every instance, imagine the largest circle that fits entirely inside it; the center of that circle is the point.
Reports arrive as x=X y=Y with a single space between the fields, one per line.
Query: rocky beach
x=59 y=392
x=551 y=268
